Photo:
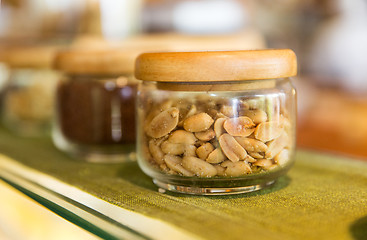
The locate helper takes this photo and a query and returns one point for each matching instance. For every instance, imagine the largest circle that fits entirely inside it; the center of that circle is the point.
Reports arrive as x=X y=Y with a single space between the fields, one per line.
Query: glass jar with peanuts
x=212 y=123
x=95 y=104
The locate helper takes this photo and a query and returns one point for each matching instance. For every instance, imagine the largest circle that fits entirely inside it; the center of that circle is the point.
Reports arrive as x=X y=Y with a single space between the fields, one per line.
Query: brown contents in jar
x=97 y=112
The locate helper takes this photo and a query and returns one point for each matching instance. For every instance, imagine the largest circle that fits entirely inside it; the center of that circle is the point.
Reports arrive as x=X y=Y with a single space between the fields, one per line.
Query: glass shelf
x=70 y=203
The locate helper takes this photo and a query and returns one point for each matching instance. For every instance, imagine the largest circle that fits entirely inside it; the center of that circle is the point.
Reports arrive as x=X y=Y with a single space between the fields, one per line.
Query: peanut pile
x=208 y=137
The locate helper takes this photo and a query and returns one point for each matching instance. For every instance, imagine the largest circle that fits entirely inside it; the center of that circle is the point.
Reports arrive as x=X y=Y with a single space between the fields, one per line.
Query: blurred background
x=328 y=36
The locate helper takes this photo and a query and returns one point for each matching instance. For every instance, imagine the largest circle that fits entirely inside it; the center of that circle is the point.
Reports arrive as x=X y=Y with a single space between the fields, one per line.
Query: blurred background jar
x=95 y=116
x=28 y=97
x=4 y=71
x=217 y=122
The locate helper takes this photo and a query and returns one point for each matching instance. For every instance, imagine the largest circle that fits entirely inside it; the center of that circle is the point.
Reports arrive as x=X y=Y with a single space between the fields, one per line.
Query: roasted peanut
x=165 y=105
x=282 y=157
x=164 y=167
x=231 y=148
x=186 y=114
x=283 y=121
x=267 y=131
x=218 y=127
x=206 y=135
x=220 y=170
x=158 y=109
x=241 y=126
x=226 y=163
x=235 y=169
x=213 y=113
x=156 y=151
x=203 y=151
x=264 y=163
x=276 y=145
x=173 y=148
x=182 y=137
x=198 y=122
x=255 y=103
x=216 y=156
x=220 y=115
x=199 y=167
x=163 y=123
x=175 y=163
x=243 y=106
x=250 y=159
x=257 y=116
x=190 y=151
x=251 y=145
x=229 y=111
x=256 y=155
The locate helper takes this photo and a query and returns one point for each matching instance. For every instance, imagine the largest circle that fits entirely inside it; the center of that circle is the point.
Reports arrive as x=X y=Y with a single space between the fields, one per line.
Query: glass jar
x=28 y=97
x=95 y=105
x=214 y=123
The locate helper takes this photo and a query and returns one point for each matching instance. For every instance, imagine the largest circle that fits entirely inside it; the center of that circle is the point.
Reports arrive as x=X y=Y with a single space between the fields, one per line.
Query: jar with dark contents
x=28 y=94
x=216 y=122
x=95 y=105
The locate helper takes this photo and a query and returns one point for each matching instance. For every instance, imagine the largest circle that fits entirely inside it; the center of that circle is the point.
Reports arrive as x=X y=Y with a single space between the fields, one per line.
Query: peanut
x=190 y=151
x=206 y=135
x=231 y=148
x=255 y=103
x=203 y=151
x=184 y=115
x=282 y=157
x=220 y=170
x=276 y=145
x=199 y=167
x=156 y=151
x=251 y=145
x=264 y=163
x=229 y=111
x=216 y=156
x=218 y=127
x=182 y=137
x=175 y=163
x=198 y=122
x=257 y=116
x=241 y=126
x=163 y=123
x=243 y=106
x=250 y=159
x=236 y=169
x=158 y=109
x=267 y=131
x=173 y=148
x=255 y=155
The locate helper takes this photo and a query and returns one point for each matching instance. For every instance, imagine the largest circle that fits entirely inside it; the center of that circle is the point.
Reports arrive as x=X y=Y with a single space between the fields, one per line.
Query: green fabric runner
x=322 y=197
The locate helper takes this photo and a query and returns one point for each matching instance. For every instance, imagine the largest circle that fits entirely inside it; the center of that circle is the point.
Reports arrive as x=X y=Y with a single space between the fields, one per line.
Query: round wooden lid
x=113 y=61
x=216 y=65
x=30 y=57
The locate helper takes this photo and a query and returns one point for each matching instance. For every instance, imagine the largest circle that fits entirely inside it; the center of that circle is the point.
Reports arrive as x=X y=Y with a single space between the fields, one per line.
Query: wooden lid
x=113 y=61
x=216 y=66
x=30 y=57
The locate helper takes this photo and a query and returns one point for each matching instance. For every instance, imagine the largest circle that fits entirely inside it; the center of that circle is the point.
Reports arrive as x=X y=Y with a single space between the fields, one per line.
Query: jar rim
x=216 y=65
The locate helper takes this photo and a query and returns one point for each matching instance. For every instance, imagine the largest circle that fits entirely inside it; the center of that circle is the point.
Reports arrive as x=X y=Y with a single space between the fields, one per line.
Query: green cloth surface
x=322 y=197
